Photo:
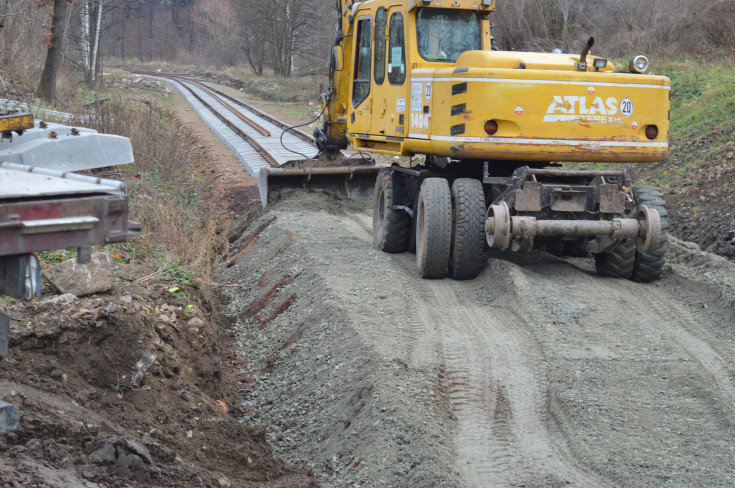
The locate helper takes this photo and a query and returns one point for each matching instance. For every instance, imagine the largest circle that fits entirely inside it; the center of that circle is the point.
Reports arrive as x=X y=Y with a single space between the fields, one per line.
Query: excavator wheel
x=390 y=227
x=468 y=229
x=619 y=262
x=433 y=228
x=649 y=265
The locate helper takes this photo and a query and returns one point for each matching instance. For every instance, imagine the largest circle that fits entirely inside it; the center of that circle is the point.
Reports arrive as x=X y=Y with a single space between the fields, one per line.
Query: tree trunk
x=151 y=30
x=122 y=32
x=86 y=47
x=140 y=35
x=191 y=29
x=47 y=86
x=94 y=55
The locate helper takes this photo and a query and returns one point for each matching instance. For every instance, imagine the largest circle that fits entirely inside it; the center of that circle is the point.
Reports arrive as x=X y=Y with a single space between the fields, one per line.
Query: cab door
x=361 y=107
x=379 y=65
x=395 y=89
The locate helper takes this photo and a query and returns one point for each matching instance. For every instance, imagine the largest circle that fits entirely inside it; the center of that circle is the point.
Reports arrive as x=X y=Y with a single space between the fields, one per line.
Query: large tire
x=467 y=249
x=618 y=263
x=649 y=266
x=390 y=227
x=433 y=228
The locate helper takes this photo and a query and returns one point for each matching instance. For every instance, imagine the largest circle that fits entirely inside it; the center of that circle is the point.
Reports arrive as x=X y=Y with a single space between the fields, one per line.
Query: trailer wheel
x=390 y=227
x=466 y=255
x=433 y=228
x=649 y=265
x=619 y=262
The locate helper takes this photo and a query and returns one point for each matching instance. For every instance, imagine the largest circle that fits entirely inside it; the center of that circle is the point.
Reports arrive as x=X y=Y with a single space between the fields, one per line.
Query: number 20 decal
x=626 y=107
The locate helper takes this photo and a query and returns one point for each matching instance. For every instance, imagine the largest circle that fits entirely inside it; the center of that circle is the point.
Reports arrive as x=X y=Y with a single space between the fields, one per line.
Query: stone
x=83 y=279
x=195 y=322
x=105 y=453
x=88 y=472
x=691 y=245
x=139 y=449
x=194 y=325
x=65 y=298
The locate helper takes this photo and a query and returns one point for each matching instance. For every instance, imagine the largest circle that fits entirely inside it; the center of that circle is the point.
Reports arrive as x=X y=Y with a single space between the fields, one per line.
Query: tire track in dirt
x=714 y=368
x=500 y=398
x=674 y=375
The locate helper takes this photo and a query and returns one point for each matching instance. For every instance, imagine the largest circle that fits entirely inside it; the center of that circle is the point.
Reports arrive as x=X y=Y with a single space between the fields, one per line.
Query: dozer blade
x=347 y=181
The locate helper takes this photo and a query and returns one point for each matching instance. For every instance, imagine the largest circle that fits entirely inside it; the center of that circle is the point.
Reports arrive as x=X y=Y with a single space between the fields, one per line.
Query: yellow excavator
x=487 y=133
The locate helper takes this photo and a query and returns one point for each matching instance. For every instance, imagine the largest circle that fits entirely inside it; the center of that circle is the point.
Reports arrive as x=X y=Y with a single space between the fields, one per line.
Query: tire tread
x=649 y=266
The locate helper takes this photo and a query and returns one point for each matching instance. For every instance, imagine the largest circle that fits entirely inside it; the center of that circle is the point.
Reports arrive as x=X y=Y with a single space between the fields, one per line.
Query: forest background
x=292 y=37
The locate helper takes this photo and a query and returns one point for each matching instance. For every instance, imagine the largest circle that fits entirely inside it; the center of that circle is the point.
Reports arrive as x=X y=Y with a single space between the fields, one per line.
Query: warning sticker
x=417 y=94
x=400 y=105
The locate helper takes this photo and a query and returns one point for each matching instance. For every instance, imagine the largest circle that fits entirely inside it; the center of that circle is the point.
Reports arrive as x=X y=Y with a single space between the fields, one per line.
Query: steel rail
x=278 y=123
x=197 y=90
x=263 y=151
x=232 y=109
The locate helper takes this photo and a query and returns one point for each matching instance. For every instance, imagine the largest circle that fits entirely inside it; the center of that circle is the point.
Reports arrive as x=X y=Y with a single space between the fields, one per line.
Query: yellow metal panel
x=14 y=122
x=544 y=108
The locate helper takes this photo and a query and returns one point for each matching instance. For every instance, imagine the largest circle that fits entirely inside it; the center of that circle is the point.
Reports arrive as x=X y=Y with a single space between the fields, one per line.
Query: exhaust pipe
x=582 y=64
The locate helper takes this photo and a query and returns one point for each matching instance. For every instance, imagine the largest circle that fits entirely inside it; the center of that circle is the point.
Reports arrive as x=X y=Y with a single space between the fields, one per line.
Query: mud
x=538 y=373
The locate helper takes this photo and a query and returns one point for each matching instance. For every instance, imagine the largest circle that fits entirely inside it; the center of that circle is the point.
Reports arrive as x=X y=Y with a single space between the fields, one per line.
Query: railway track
x=256 y=138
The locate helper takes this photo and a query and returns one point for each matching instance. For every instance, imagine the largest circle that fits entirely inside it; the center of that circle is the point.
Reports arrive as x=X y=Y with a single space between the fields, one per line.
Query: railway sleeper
x=454 y=212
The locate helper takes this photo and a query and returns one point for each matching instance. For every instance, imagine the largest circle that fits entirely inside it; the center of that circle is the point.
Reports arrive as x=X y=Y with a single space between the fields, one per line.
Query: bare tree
x=47 y=86
x=90 y=16
x=287 y=22
x=252 y=39
x=218 y=18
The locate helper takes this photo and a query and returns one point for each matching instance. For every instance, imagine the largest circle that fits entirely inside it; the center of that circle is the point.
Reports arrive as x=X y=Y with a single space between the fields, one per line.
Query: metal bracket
x=8 y=417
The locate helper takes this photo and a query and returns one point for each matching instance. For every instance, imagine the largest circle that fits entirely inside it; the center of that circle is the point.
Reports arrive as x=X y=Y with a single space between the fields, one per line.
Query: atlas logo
x=571 y=108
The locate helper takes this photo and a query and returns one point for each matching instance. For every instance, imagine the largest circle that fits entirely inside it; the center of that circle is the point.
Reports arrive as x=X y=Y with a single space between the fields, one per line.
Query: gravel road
x=538 y=373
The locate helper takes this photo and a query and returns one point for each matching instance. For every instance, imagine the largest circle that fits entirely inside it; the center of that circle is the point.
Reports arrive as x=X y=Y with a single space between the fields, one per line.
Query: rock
x=139 y=449
x=105 y=453
x=88 y=472
x=82 y=279
x=165 y=319
x=691 y=245
x=65 y=298
x=82 y=396
x=194 y=325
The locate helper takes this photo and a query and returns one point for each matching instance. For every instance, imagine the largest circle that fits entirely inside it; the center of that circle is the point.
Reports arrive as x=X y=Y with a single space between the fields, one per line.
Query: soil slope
x=538 y=373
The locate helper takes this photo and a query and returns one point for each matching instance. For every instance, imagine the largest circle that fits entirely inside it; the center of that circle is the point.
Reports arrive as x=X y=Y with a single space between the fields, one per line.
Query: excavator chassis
x=531 y=207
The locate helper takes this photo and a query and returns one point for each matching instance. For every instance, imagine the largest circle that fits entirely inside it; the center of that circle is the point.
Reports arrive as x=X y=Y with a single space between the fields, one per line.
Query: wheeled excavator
x=488 y=136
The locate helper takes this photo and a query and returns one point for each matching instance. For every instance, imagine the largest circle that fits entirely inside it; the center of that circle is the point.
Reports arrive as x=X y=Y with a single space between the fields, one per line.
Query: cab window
x=380 y=21
x=444 y=34
x=396 y=51
x=363 y=48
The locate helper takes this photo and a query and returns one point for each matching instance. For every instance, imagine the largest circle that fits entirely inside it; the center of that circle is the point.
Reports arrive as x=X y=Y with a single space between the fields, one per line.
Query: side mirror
x=335 y=62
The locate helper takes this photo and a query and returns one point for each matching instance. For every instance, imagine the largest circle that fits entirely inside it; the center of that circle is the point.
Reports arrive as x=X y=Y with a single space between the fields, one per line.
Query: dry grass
x=168 y=193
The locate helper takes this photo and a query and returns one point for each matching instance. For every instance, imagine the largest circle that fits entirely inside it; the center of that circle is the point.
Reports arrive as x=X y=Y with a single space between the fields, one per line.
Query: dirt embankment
x=538 y=373
x=86 y=420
